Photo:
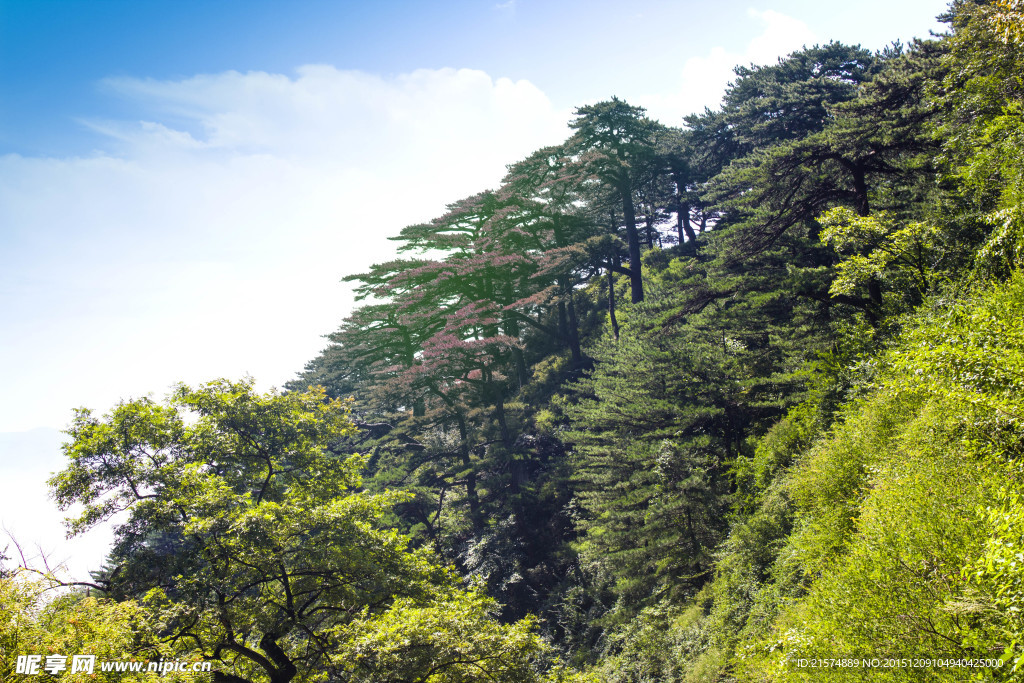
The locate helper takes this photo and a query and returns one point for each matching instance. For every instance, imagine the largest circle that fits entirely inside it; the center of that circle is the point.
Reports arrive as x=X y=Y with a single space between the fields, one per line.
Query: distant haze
x=183 y=185
x=29 y=517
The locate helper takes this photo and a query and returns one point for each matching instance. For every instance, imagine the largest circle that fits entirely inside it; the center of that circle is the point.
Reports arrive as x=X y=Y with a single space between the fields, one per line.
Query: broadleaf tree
x=256 y=547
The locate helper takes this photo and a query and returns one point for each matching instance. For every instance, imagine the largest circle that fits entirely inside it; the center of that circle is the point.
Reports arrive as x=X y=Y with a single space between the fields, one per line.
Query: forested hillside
x=693 y=403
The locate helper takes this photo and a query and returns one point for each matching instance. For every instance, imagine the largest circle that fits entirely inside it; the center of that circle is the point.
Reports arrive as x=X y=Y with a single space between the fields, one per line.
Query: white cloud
x=210 y=242
x=331 y=115
x=702 y=80
x=782 y=35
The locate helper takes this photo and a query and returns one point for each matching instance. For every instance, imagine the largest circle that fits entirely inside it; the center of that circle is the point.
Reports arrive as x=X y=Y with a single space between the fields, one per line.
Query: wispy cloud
x=702 y=80
x=209 y=240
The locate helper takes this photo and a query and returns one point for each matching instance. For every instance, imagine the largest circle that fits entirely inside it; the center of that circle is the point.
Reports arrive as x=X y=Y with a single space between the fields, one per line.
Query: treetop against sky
x=159 y=160
x=183 y=184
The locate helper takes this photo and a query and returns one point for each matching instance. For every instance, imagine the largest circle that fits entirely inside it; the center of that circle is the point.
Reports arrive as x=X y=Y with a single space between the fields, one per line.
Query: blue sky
x=54 y=54
x=183 y=184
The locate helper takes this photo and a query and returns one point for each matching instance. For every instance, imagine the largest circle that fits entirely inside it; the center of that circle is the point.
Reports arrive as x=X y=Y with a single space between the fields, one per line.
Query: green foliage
x=797 y=438
x=779 y=171
x=451 y=639
x=253 y=545
x=997 y=578
x=654 y=646
x=37 y=620
x=1003 y=253
x=1007 y=19
x=671 y=407
x=750 y=582
x=879 y=249
x=776 y=450
x=651 y=444
x=900 y=557
x=983 y=135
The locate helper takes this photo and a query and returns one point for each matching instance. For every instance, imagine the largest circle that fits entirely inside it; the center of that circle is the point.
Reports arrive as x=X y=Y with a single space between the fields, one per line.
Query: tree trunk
x=286 y=669
x=683 y=226
x=476 y=518
x=563 y=320
x=520 y=362
x=860 y=186
x=636 y=283
x=574 y=332
x=499 y=414
x=649 y=224
x=611 y=303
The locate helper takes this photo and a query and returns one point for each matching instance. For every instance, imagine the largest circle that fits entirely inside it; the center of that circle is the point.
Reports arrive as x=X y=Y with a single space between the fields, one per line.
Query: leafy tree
x=834 y=192
x=1008 y=20
x=36 y=618
x=653 y=435
x=548 y=188
x=779 y=173
x=903 y=532
x=254 y=543
x=452 y=640
x=982 y=137
x=616 y=145
x=879 y=249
